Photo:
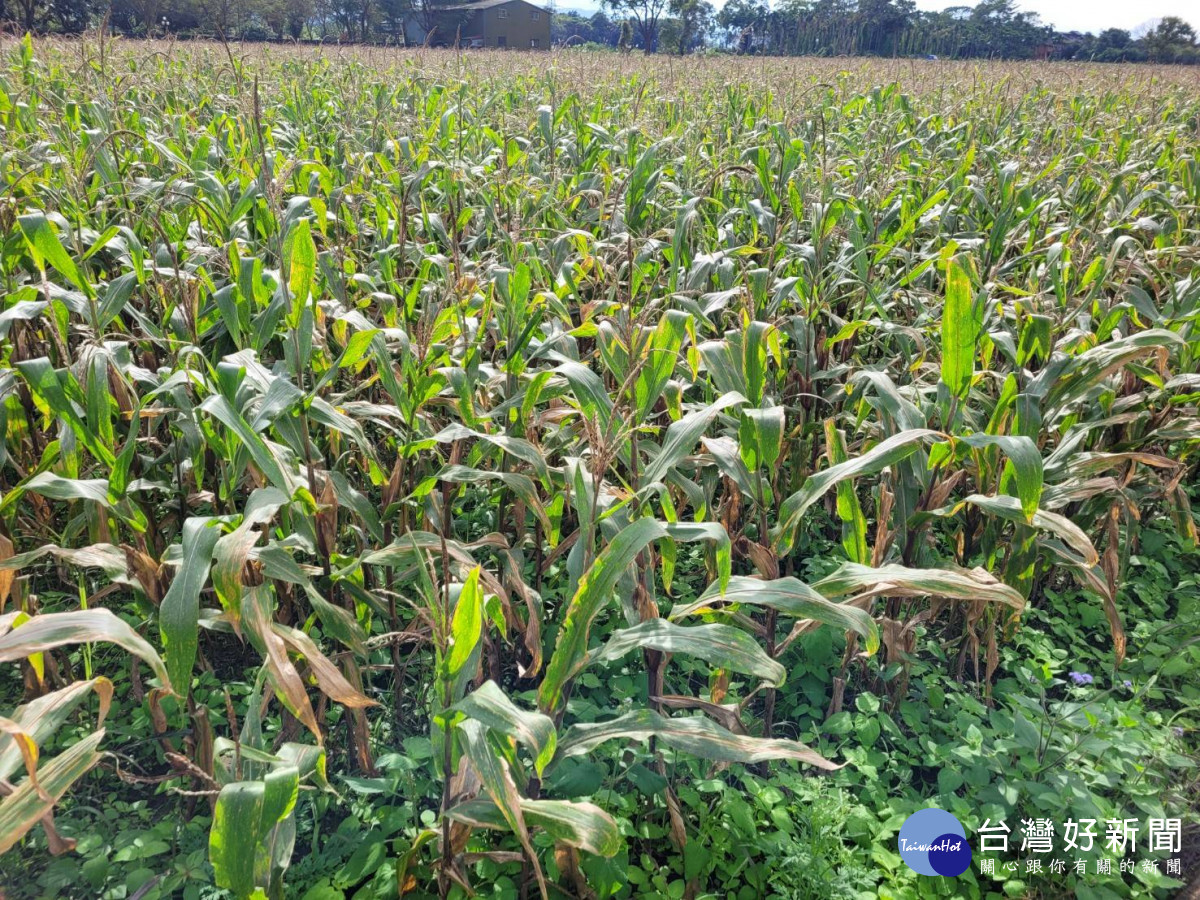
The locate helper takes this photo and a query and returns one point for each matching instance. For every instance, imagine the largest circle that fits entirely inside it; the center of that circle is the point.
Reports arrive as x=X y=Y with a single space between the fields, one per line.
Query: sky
x=1065 y=15
x=1095 y=15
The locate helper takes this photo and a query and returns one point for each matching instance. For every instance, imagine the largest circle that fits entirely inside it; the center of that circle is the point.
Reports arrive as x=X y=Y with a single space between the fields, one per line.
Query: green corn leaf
x=692 y=734
x=301 y=256
x=179 y=612
x=884 y=454
x=281 y=789
x=1035 y=338
x=791 y=597
x=589 y=390
x=662 y=357
x=26 y=805
x=521 y=449
x=41 y=717
x=595 y=591
x=961 y=327
x=307 y=759
x=593 y=594
x=1010 y=508
x=758 y=340
x=894 y=580
x=250 y=842
x=498 y=782
x=233 y=840
x=1070 y=382
x=264 y=457
x=521 y=485
x=111 y=560
x=1023 y=471
x=682 y=436
x=44 y=632
x=46 y=248
x=491 y=706
x=357 y=348
x=760 y=437
x=58 y=488
x=466 y=625
x=576 y=824
x=52 y=388
x=854 y=523
x=725 y=453
x=721 y=646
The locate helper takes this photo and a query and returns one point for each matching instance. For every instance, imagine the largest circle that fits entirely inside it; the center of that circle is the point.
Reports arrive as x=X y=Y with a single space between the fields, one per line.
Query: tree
x=354 y=17
x=694 y=20
x=296 y=15
x=72 y=16
x=1113 y=39
x=741 y=20
x=573 y=28
x=274 y=15
x=625 y=40
x=393 y=14
x=138 y=16
x=1110 y=45
x=999 y=29
x=645 y=15
x=30 y=13
x=397 y=13
x=881 y=23
x=1173 y=30
x=218 y=14
x=285 y=18
x=1171 y=39
x=603 y=30
x=821 y=27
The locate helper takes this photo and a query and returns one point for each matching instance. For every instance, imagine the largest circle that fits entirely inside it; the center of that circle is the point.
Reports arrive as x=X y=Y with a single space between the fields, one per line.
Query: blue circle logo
x=933 y=842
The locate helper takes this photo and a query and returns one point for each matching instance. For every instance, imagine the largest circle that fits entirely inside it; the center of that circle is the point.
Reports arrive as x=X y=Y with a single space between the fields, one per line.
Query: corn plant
x=432 y=390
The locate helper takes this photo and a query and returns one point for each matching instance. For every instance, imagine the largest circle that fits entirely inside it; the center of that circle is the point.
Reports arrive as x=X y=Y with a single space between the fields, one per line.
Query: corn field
x=490 y=415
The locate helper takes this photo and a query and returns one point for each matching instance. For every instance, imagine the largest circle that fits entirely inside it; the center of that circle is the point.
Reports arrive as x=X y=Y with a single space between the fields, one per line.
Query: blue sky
x=1066 y=15
x=1096 y=15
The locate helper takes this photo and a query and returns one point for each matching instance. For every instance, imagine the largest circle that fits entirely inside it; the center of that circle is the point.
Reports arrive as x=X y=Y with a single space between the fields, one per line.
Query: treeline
x=251 y=20
x=350 y=21
x=993 y=29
